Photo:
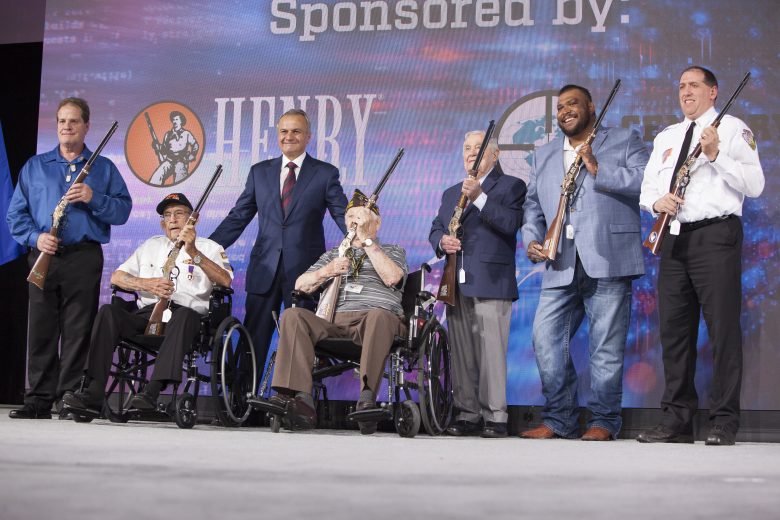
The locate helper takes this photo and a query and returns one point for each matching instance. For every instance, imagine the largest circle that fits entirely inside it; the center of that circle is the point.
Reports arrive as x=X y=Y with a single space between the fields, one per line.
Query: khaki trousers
x=301 y=329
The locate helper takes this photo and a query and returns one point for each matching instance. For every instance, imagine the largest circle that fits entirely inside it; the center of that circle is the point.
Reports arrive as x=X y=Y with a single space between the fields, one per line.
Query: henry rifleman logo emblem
x=171 y=159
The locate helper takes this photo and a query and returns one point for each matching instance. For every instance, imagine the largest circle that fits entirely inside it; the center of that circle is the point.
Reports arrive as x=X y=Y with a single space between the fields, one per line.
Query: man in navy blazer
x=598 y=255
x=478 y=324
x=289 y=195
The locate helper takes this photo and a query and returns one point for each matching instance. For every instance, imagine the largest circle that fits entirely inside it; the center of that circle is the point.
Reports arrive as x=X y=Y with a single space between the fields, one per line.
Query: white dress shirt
x=716 y=188
x=283 y=174
x=192 y=286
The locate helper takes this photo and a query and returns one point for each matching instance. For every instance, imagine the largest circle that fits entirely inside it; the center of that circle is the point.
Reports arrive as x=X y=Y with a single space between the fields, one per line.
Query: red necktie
x=287 y=189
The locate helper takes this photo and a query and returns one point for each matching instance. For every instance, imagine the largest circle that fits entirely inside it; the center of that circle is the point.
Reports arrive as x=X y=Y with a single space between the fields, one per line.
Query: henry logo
x=164 y=144
x=528 y=123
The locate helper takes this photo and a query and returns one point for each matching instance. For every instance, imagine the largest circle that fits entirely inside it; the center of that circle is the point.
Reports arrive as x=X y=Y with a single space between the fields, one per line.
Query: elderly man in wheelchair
x=201 y=264
x=368 y=312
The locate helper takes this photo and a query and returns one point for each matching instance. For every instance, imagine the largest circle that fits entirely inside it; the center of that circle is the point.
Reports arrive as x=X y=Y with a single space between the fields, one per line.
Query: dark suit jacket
x=298 y=238
x=489 y=236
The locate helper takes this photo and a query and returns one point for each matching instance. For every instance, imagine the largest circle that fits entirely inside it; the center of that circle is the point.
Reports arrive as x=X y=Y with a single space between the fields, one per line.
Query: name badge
x=353 y=288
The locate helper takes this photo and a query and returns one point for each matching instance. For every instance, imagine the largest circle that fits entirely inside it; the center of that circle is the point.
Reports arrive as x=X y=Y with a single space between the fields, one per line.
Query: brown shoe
x=597 y=433
x=540 y=432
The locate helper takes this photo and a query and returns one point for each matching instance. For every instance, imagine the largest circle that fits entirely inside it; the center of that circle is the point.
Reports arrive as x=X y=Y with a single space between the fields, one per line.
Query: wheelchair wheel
x=186 y=414
x=126 y=377
x=407 y=419
x=433 y=378
x=234 y=372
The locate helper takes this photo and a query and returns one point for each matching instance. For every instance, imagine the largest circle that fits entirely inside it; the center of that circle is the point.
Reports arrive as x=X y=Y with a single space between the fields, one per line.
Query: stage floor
x=60 y=469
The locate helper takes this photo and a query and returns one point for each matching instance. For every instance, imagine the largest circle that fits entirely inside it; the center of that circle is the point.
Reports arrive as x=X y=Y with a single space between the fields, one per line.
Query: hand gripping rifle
x=446 y=292
x=568 y=186
x=40 y=269
x=683 y=176
x=326 y=308
x=155 y=142
x=156 y=326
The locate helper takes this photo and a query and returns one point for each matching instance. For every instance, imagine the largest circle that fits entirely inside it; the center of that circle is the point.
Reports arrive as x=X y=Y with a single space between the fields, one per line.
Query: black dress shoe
x=28 y=411
x=300 y=415
x=143 y=401
x=82 y=401
x=493 y=430
x=720 y=436
x=366 y=427
x=464 y=429
x=663 y=433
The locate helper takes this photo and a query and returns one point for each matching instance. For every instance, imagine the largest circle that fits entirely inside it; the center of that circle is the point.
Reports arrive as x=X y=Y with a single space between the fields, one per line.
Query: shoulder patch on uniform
x=747 y=135
x=666 y=155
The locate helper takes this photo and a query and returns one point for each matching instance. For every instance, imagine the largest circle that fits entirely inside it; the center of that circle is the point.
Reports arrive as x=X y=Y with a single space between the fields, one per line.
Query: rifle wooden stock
x=553 y=236
x=326 y=308
x=682 y=178
x=156 y=325
x=447 y=285
x=40 y=269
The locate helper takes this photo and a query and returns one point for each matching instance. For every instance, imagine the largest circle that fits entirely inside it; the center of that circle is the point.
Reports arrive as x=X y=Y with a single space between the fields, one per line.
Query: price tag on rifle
x=569 y=231
x=166 y=317
x=462 y=275
x=674 y=227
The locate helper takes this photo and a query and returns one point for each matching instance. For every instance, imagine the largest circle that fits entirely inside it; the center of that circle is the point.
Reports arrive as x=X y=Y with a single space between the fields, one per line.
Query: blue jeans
x=607 y=303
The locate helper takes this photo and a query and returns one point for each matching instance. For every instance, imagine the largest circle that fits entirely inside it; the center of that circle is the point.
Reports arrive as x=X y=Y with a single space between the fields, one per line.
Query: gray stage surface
x=62 y=470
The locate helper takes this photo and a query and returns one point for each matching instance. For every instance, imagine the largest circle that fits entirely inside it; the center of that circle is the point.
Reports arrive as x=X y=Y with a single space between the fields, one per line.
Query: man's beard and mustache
x=582 y=123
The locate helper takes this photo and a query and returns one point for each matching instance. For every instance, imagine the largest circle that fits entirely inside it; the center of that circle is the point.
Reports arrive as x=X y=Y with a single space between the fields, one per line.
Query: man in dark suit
x=289 y=194
x=479 y=321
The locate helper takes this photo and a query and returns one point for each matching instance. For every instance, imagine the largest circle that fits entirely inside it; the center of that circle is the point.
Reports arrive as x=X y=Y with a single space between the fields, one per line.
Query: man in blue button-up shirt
x=61 y=315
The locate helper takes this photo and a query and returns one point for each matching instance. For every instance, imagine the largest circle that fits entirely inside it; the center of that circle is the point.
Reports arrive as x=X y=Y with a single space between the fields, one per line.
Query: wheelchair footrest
x=264 y=406
x=371 y=415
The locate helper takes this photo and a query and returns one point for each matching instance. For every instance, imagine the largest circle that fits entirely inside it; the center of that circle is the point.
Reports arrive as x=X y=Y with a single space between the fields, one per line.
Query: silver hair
x=297 y=112
x=492 y=144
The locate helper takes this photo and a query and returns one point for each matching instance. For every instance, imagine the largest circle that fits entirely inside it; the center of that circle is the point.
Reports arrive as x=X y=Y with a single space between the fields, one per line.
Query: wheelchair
x=418 y=362
x=222 y=344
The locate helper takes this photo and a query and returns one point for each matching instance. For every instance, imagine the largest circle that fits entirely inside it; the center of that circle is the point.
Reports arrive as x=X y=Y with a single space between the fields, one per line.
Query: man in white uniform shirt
x=201 y=264
x=700 y=266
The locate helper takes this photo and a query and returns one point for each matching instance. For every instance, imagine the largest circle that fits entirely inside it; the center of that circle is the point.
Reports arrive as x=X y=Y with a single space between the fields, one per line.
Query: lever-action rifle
x=447 y=285
x=569 y=184
x=326 y=309
x=156 y=326
x=155 y=142
x=683 y=176
x=40 y=269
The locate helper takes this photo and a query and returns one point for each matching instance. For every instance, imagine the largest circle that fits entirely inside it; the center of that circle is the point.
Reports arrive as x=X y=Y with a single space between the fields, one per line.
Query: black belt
x=690 y=226
x=71 y=248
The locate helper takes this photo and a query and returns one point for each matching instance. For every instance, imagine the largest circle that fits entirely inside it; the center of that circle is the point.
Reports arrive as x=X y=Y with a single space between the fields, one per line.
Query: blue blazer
x=604 y=213
x=489 y=238
x=299 y=238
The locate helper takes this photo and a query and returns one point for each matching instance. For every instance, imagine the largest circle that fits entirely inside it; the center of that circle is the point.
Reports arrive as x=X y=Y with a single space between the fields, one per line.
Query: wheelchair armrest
x=425 y=299
x=298 y=297
x=116 y=289
x=221 y=291
x=425 y=267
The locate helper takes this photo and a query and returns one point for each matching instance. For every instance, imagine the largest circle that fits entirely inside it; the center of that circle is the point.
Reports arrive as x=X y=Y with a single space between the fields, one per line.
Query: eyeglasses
x=175 y=215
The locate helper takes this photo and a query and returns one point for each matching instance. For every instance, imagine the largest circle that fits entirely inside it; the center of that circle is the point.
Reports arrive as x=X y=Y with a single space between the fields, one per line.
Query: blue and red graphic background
x=426 y=86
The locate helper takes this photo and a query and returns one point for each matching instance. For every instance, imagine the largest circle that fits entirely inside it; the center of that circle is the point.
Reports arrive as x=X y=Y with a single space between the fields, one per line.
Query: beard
x=582 y=123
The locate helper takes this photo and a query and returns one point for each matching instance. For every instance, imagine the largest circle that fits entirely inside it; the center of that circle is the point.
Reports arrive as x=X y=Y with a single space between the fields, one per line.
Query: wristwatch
x=197 y=259
x=368 y=242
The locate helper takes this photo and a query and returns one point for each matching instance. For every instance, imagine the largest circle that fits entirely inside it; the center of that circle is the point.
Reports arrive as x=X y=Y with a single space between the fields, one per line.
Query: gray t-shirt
x=373 y=293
